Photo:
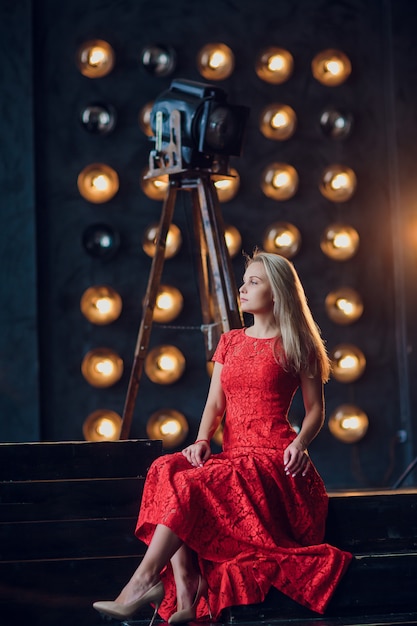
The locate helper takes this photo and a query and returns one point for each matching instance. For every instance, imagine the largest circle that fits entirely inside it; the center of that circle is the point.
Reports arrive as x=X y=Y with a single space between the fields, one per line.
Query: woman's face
x=255 y=292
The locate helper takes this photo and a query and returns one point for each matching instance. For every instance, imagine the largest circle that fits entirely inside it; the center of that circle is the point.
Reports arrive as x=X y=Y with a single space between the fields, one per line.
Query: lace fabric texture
x=251 y=525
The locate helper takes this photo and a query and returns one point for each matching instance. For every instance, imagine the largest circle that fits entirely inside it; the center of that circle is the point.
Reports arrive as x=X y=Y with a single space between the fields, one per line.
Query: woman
x=222 y=529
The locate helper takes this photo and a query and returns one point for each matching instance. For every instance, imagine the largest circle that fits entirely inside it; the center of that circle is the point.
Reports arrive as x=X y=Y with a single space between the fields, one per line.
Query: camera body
x=208 y=126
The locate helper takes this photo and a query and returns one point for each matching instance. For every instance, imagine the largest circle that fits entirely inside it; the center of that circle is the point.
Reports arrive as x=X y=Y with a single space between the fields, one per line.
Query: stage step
x=67 y=517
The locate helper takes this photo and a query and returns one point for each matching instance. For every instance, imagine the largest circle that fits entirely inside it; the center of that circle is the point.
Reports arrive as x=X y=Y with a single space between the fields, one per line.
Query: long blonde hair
x=301 y=338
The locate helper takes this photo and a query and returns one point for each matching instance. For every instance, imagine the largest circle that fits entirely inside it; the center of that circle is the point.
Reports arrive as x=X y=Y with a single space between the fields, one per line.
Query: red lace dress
x=251 y=525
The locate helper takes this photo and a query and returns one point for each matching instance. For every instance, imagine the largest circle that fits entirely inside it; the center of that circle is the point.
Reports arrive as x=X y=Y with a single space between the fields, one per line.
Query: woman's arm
x=296 y=456
x=198 y=453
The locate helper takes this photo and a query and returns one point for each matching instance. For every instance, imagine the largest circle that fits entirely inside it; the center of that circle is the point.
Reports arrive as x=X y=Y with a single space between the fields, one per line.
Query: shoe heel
x=154 y=614
x=208 y=606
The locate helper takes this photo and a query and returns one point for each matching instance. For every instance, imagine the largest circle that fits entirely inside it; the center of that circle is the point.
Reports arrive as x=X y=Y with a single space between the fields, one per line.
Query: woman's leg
x=163 y=546
x=186 y=575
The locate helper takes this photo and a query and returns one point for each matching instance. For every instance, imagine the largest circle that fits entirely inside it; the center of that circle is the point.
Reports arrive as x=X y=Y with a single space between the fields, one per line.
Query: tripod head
x=195 y=128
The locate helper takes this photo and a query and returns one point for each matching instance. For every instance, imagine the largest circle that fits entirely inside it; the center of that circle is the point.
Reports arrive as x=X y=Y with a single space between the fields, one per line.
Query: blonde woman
x=223 y=528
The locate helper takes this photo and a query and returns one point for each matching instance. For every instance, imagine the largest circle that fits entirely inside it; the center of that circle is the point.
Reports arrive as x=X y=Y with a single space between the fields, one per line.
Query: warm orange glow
x=168 y=425
x=173 y=242
x=102 y=367
x=278 y=122
x=95 y=58
x=339 y=242
x=98 y=183
x=215 y=61
x=331 y=67
x=348 y=362
x=282 y=238
x=233 y=240
x=348 y=423
x=164 y=365
x=227 y=186
x=274 y=65
x=168 y=305
x=101 y=304
x=145 y=119
x=279 y=181
x=102 y=425
x=344 y=305
x=338 y=183
x=154 y=188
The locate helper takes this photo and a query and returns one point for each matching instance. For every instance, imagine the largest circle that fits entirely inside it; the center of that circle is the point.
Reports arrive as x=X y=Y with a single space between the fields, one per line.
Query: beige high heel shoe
x=155 y=595
x=188 y=615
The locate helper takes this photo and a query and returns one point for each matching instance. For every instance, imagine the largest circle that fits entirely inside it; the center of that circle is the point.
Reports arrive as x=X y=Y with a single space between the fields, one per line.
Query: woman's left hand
x=296 y=460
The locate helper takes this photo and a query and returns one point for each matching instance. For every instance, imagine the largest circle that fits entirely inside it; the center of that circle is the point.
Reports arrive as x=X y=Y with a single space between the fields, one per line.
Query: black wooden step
x=67 y=516
x=372 y=586
x=69 y=499
x=77 y=459
x=373 y=521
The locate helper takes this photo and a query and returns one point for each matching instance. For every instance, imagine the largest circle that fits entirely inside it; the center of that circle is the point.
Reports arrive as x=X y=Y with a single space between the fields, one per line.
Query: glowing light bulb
x=345 y=306
x=284 y=240
x=350 y=423
x=348 y=362
x=102 y=425
x=170 y=427
x=104 y=305
x=96 y=56
x=217 y=59
x=164 y=301
x=340 y=181
x=101 y=182
x=331 y=67
x=106 y=429
x=104 y=367
x=98 y=183
x=281 y=179
x=341 y=240
x=276 y=63
x=279 y=120
x=166 y=363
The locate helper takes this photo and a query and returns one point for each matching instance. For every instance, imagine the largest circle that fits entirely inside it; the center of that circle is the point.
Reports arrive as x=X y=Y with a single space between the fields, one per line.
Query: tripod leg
x=211 y=334
x=148 y=309
x=225 y=291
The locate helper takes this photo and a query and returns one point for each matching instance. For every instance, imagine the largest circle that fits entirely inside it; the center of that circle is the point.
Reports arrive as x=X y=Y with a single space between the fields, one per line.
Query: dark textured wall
x=378 y=38
x=19 y=383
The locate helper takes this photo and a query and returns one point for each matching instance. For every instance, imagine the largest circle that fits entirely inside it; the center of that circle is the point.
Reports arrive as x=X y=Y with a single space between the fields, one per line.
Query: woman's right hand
x=197 y=453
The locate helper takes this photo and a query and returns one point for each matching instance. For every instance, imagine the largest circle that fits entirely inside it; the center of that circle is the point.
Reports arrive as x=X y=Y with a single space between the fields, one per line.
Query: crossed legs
x=164 y=546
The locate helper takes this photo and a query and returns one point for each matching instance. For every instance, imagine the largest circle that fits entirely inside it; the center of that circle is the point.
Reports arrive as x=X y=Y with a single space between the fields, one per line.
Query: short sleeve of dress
x=220 y=351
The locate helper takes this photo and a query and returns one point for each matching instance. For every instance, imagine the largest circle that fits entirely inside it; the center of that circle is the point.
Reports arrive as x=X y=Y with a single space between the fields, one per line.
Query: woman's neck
x=263 y=328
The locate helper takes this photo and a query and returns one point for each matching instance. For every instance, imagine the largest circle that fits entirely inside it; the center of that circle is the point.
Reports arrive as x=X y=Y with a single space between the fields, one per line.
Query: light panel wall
x=63 y=148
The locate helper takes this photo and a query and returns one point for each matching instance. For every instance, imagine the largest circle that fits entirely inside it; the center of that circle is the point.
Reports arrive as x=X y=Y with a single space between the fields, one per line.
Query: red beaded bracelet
x=201 y=440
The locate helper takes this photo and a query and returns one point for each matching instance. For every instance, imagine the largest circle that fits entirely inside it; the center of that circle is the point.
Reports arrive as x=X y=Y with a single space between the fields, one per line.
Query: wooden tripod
x=218 y=292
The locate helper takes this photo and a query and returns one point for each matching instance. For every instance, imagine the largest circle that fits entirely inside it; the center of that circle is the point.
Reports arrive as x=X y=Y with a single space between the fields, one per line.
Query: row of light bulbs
x=165 y=364
x=277 y=121
x=216 y=62
x=99 y=183
x=348 y=423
